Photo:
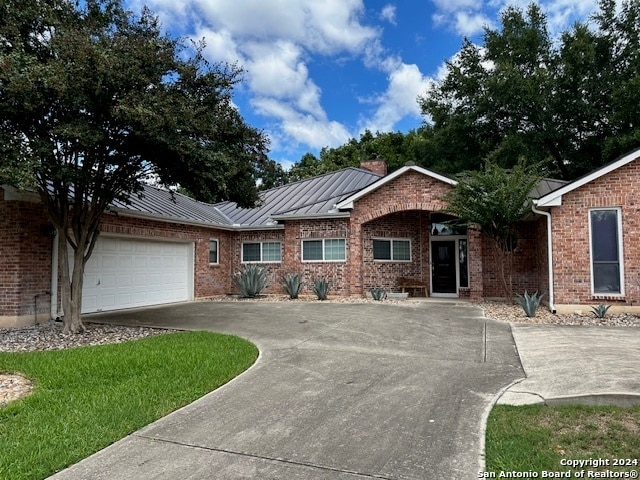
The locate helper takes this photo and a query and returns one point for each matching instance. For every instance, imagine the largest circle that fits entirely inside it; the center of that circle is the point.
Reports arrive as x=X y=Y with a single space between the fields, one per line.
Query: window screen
x=605 y=253
x=250 y=252
x=213 y=251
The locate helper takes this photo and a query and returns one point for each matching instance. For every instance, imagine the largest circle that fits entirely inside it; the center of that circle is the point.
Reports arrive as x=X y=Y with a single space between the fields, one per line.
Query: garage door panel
x=125 y=273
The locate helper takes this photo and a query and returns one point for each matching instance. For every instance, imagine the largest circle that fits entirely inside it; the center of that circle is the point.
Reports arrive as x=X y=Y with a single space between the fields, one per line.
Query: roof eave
x=312 y=216
x=554 y=198
x=162 y=218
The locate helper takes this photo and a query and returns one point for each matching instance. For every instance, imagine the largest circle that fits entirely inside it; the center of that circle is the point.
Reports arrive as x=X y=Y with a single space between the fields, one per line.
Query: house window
x=213 y=251
x=262 y=252
x=606 y=251
x=397 y=250
x=327 y=250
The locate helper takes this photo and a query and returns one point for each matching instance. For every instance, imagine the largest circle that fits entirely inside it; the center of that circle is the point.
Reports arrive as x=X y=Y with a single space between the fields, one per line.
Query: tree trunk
x=71 y=287
x=504 y=267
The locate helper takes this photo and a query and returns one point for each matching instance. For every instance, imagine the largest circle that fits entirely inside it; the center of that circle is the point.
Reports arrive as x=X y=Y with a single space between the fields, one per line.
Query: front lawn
x=541 y=439
x=87 y=398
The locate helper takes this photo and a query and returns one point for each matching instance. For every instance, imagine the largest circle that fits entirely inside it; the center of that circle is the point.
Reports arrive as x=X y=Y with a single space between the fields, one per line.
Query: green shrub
x=529 y=303
x=252 y=280
x=378 y=293
x=321 y=288
x=292 y=284
x=600 y=310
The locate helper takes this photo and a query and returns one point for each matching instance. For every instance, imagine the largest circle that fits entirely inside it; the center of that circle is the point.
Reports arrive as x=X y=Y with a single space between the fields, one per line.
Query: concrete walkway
x=340 y=391
x=577 y=365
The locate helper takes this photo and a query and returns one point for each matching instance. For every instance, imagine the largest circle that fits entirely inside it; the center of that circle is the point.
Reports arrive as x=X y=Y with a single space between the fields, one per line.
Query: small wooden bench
x=412 y=284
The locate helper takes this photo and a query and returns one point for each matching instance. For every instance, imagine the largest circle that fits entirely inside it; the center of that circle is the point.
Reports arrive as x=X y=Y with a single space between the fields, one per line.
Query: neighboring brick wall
x=571 y=258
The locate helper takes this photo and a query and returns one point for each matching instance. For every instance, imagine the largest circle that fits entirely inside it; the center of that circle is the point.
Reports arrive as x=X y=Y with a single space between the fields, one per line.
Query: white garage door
x=125 y=273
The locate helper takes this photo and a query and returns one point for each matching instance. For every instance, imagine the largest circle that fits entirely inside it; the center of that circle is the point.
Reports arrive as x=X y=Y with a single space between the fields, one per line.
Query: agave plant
x=378 y=293
x=600 y=310
x=321 y=288
x=529 y=303
x=292 y=284
x=252 y=280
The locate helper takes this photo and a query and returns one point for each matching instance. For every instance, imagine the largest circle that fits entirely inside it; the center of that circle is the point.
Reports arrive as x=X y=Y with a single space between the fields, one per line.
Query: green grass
x=538 y=437
x=87 y=398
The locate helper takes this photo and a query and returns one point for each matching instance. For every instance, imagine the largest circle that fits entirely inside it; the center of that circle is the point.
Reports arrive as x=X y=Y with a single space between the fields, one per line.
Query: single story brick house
x=359 y=227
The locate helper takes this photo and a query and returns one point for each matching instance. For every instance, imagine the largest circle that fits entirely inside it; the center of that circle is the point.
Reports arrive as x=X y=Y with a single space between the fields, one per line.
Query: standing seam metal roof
x=311 y=196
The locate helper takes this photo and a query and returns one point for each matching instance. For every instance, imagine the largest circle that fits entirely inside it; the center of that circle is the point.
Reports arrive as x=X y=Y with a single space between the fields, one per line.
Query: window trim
x=391 y=240
x=618 y=211
x=217 y=241
x=323 y=240
x=261 y=243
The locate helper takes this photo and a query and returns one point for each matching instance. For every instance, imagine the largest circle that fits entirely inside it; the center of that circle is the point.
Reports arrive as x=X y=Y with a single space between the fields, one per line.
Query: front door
x=443 y=266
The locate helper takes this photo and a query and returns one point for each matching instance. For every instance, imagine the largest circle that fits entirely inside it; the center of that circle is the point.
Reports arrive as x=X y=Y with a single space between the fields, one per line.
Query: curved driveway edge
x=576 y=365
x=341 y=391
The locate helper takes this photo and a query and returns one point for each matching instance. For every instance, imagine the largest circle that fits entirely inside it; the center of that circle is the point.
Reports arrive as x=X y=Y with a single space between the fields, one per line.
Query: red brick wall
x=543 y=257
x=406 y=225
x=25 y=259
x=571 y=258
x=335 y=271
x=525 y=263
x=276 y=270
x=410 y=191
x=25 y=255
x=209 y=279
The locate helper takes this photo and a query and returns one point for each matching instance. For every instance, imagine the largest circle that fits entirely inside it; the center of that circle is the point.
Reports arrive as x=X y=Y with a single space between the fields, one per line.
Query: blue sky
x=319 y=72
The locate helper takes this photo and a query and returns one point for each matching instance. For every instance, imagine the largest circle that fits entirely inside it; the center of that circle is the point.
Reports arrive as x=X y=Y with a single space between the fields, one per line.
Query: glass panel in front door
x=443 y=258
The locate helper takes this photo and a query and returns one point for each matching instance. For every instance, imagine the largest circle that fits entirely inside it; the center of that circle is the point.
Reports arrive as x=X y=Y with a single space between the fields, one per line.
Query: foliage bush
x=292 y=284
x=321 y=288
x=252 y=280
x=530 y=303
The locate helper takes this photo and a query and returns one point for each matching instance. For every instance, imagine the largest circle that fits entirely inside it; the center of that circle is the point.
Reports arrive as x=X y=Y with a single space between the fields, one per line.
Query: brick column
x=474 y=239
x=354 y=260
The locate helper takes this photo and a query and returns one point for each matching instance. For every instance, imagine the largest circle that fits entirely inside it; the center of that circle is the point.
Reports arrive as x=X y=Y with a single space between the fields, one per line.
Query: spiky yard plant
x=292 y=284
x=378 y=293
x=321 y=288
x=252 y=280
x=529 y=303
x=600 y=311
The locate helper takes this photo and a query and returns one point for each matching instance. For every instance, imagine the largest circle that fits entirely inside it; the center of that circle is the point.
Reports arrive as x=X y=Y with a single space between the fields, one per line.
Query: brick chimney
x=375 y=165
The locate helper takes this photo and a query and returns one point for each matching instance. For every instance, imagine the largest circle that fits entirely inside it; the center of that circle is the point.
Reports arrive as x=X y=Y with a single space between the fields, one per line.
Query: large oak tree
x=94 y=101
x=570 y=102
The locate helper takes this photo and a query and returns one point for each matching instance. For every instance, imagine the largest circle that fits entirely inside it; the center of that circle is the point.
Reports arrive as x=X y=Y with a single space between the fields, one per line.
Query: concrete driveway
x=340 y=391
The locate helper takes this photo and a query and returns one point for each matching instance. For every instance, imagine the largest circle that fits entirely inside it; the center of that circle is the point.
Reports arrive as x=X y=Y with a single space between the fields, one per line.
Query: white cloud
x=406 y=83
x=388 y=14
x=220 y=45
x=326 y=27
x=469 y=24
x=304 y=128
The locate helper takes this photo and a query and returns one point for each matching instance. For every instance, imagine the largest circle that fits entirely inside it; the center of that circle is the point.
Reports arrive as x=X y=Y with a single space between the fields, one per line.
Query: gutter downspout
x=54 y=278
x=552 y=306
